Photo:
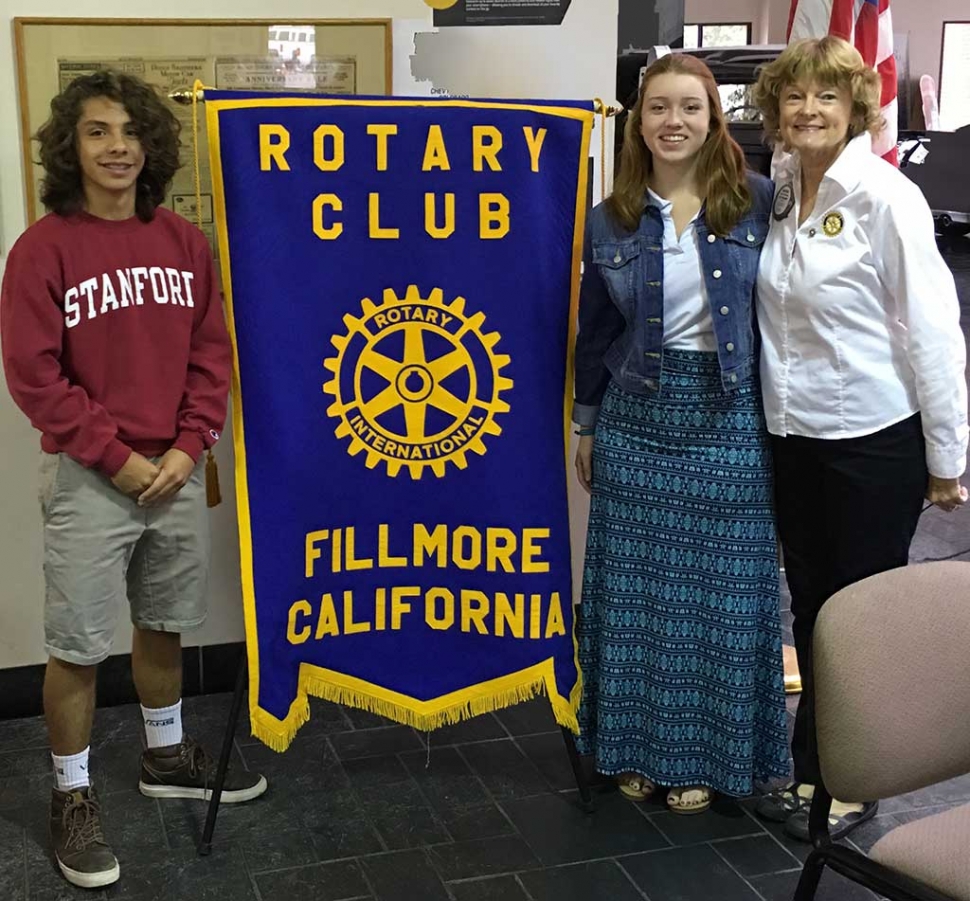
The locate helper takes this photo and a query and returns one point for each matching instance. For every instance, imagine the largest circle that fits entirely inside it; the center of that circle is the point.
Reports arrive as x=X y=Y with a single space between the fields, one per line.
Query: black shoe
x=839 y=826
x=778 y=806
x=78 y=842
x=185 y=770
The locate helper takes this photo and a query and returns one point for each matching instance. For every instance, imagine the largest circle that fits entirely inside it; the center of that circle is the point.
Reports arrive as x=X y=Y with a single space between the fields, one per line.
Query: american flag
x=868 y=25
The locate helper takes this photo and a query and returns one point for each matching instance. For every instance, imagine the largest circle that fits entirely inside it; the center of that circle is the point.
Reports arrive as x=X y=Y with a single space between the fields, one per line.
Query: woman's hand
x=947 y=494
x=584 y=462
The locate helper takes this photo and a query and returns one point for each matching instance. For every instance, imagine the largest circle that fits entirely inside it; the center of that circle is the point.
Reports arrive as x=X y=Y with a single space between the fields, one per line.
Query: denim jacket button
x=717 y=273
x=618 y=258
x=725 y=311
x=750 y=238
x=730 y=347
x=734 y=378
x=651 y=383
x=711 y=239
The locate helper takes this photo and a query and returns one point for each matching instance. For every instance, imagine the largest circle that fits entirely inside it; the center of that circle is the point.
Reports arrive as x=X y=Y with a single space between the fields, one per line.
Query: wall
x=924 y=22
x=576 y=60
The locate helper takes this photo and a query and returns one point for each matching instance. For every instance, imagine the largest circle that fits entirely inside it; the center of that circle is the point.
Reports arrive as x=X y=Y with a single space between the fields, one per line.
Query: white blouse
x=859 y=313
x=687 y=313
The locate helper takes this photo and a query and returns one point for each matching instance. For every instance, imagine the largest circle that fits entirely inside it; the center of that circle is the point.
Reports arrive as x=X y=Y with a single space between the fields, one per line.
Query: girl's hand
x=584 y=462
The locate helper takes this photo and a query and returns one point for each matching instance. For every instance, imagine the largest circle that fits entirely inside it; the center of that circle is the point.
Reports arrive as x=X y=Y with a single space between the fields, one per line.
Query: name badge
x=784 y=201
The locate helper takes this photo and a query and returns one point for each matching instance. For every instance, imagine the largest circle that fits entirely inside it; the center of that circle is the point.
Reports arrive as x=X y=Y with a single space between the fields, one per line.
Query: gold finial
x=186 y=96
x=609 y=110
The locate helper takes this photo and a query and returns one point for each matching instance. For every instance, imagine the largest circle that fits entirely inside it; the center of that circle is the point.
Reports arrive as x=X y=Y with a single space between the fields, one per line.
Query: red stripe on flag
x=843 y=16
x=867 y=33
x=791 y=19
x=887 y=72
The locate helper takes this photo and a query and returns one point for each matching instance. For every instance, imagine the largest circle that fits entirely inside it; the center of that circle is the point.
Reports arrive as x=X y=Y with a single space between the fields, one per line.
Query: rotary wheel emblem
x=416 y=382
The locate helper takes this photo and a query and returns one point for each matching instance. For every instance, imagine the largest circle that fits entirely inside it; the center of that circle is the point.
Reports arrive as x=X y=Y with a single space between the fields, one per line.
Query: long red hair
x=721 y=168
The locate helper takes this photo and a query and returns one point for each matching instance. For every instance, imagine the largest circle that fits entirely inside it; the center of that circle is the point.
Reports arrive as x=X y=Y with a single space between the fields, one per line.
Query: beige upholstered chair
x=892 y=682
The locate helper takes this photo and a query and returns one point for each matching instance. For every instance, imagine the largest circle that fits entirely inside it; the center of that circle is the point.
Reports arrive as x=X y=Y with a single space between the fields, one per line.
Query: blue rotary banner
x=401 y=278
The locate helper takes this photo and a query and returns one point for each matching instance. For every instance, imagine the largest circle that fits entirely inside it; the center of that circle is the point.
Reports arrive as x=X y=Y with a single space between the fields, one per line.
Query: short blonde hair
x=828 y=61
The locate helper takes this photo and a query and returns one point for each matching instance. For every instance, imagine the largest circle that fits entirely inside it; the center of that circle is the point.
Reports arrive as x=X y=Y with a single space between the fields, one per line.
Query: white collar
x=847 y=169
x=665 y=206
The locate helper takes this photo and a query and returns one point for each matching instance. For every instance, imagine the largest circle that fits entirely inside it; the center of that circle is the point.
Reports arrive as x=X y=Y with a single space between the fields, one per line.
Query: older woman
x=862 y=359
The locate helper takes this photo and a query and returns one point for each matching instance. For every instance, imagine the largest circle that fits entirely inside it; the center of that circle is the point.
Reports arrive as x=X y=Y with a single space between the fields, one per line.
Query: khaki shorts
x=101 y=549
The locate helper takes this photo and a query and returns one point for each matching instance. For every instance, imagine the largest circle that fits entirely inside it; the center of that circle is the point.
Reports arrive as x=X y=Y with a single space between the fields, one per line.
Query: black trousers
x=846 y=509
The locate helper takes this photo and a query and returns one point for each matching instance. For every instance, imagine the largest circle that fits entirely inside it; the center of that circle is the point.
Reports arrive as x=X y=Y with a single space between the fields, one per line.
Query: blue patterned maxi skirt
x=679 y=632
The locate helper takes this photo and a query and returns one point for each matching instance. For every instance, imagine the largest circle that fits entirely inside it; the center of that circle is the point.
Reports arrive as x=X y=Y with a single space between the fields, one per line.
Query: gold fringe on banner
x=498 y=694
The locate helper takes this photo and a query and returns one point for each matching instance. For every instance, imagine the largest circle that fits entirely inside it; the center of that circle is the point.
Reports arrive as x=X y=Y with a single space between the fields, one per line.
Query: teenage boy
x=115 y=347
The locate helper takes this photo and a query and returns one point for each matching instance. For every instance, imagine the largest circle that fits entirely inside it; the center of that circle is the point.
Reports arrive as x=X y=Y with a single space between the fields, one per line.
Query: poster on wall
x=954 y=76
x=341 y=57
x=498 y=12
x=325 y=74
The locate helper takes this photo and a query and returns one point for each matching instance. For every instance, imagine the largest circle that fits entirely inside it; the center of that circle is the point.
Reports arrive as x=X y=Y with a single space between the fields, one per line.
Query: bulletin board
x=342 y=56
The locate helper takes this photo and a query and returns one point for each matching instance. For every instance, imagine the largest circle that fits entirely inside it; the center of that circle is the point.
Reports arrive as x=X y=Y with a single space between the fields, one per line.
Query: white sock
x=163 y=726
x=71 y=772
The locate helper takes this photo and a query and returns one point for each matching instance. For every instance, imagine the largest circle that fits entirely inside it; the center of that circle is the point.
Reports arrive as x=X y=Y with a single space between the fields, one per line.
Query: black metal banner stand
x=242 y=679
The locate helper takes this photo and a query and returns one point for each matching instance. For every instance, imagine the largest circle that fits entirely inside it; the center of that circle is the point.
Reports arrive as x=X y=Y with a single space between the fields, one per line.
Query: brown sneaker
x=79 y=846
x=186 y=771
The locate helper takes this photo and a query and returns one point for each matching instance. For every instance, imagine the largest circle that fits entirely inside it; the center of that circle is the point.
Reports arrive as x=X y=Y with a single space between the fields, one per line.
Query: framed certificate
x=332 y=56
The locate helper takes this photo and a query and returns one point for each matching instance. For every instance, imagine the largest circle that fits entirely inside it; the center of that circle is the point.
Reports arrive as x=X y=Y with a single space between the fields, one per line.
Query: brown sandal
x=635 y=787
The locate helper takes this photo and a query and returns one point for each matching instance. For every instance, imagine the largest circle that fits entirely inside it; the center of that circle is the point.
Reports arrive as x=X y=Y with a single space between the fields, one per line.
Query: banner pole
x=188 y=96
x=215 y=798
x=582 y=783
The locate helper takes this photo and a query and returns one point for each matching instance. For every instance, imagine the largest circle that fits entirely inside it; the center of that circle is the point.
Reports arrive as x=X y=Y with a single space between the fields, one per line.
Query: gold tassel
x=213 y=496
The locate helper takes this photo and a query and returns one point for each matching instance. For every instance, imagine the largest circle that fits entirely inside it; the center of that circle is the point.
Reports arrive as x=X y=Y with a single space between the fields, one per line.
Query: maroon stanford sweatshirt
x=114 y=338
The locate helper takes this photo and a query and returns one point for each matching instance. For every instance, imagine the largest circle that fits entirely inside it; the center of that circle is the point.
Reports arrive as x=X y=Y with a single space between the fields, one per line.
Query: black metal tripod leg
x=205 y=845
x=581 y=783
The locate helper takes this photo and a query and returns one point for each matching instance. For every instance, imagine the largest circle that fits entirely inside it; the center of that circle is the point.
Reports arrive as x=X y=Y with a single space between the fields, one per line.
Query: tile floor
x=354 y=811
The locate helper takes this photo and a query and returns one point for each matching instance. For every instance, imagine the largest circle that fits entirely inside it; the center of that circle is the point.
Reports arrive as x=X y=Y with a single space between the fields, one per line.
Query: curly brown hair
x=157 y=128
x=827 y=61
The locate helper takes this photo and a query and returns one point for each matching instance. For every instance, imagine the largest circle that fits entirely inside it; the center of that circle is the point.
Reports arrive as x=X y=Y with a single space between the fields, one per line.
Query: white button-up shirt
x=858 y=312
x=687 y=312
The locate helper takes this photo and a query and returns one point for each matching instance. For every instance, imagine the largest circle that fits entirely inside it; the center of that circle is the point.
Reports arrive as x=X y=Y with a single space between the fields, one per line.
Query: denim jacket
x=621 y=305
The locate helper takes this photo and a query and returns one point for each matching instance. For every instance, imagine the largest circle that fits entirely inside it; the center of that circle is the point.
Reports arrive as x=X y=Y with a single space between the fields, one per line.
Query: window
x=726 y=34
x=955 y=76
